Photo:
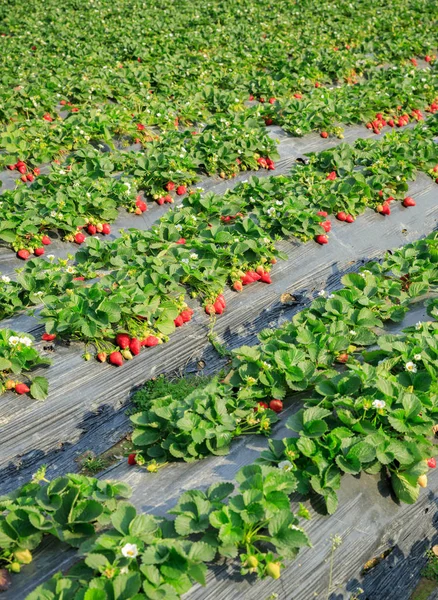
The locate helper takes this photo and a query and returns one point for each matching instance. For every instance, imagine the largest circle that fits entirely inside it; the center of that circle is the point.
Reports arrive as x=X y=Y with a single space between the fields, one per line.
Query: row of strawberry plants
x=125 y=553
x=211 y=240
x=146 y=89
x=302 y=356
x=18 y=357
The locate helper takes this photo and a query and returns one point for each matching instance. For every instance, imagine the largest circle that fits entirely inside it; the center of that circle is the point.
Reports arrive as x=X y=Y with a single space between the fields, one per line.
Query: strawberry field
x=218 y=300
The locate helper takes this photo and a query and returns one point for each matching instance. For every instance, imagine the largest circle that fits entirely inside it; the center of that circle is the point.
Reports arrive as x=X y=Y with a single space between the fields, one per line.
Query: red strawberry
x=255 y=276
x=266 y=278
x=210 y=309
x=101 y=357
x=276 y=405
x=268 y=121
x=385 y=209
x=331 y=176
x=181 y=190
x=221 y=299
x=106 y=229
x=91 y=229
x=47 y=117
x=63 y=102
x=123 y=340
x=170 y=186
x=140 y=127
x=30 y=177
x=431 y=463
x=22 y=388
x=391 y=122
x=151 y=341
x=186 y=315
x=317 y=85
x=135 y=346
x=321 y=239
x=218 y=307
x=237 y=285
x=414 y=62
x=408 y=201
x=79 y=238
x=48 y=337
x=179 y=321
x=132 y=459
x=341 y=216
x=251 y=98
x=247 y=279
x=39 y=251
x=46 y=240
x=181 y=241
x=260 y=406
x=141 y=205
x=262 y=100
x=168 y=198
x=271 y=100
x=322 y=213
x=78 y=278
x=428 y=58
x=324 y=134
x=12 y=167
x=298 y=95
x=116 y=359
x=350 y=219
x=23 y=254
x=326 y=225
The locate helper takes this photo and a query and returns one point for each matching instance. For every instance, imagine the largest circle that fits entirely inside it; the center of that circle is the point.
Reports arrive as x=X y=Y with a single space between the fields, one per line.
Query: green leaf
x=123 y=516
x=39 y=388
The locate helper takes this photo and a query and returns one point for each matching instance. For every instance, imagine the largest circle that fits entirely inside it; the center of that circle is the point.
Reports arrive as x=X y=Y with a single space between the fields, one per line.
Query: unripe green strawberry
x=252 y=562
x=23 y=556
x=127 y=354
x=15 y=567
x=273 y=569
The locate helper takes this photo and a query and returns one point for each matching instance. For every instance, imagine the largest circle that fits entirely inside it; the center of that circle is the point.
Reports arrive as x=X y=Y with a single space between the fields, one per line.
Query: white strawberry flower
x=51 y=256
x=411 y=367
x=14 y=340
x=70 y=269
x=417 y=357
x=330 y=296
x=6 y=279
x=53 y=213
x=285 y=465
x=62 y=172
x=279 y=203
x=193 y=255
x=322 y=293
x=418 y=325
x=26 y=341
x=130 y=550
x=178 y=226
x=185 y=261
x=271 y=211
x=379 y=404
x=352 y=332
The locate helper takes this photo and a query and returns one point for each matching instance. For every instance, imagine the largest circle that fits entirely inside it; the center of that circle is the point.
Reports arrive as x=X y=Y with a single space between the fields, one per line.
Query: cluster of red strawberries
x=275 y=405
x=24 y=253
x=385 y=209
x=260 y=274
x=266 y=163
x=23 y=170
x=184 y=317
x=92 y=229
x=217 y=307
x=380 y=122
x=140 y=206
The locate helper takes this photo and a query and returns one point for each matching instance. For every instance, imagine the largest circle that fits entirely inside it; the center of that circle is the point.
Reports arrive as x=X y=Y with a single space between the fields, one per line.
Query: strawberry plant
x=18 y=357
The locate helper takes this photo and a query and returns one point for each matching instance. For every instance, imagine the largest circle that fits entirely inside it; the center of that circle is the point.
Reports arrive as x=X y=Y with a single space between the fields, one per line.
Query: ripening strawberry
x=209 y=309
x=326 y=225
x=181 y=190
x=422 y=480
x=39 y=251
x=179 y=321
x=36 y=171
x=260 y=270
x=92 y=229
x=237 y=285
x=321 y=239
x=170 y=186
x=48 y=337
x=63 y=102
x=331 y=176
x=317 y=84
x=23 y=178
x=414 y=62
x=341 y=216
x=151 y=341
x=218 y=307
x=342 y=358
x=260 y=406
x=79 y=238
x=251 y=98
x=168 y=198
x=101 y=356
x=349 y=219
x=132 y=459
x=106 y=229
x=186 y=315
x=322 y=213
x=23 y=254
x=22 y=388
x=135 y=346
x=123 y=340
x=431 y=463
x=116 y=359
x=276 y=405
x=141 y=205
x=99 y=227
x=408 y=201
x=298 y=95
x=324 y=134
